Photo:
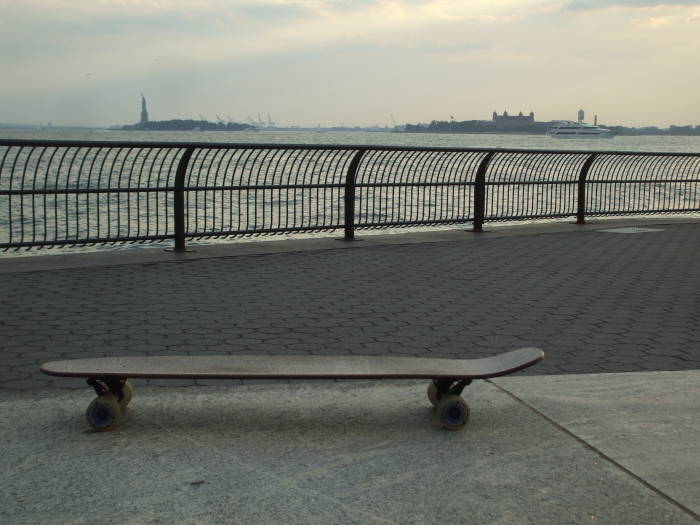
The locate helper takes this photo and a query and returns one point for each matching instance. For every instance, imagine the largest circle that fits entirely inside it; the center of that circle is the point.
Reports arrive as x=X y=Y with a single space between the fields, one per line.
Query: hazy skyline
x=309 y=62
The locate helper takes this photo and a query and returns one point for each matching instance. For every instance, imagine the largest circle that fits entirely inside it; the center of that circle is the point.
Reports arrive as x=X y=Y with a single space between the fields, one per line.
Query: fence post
x=179 y=200
x=581 y=203
x=480 y=192
x=350 y=196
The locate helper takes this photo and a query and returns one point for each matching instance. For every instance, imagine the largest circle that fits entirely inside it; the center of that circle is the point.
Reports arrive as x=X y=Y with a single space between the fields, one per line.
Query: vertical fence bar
x=581 y=203
x=480 y=192
x=350 y=196
x=179 y=200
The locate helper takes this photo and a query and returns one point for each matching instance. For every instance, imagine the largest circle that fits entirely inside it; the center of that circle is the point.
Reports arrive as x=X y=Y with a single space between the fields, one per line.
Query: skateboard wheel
x=126 y=396
x=103 y=412
x=432 y=394
x=453 y=412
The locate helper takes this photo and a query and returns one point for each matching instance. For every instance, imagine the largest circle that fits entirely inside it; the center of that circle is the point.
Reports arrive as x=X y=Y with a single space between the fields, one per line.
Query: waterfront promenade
x=575 y=439
x=594 y=301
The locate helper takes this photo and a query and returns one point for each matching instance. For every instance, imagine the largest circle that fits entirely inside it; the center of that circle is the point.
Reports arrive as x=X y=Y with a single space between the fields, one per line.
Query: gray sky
x=308 y=62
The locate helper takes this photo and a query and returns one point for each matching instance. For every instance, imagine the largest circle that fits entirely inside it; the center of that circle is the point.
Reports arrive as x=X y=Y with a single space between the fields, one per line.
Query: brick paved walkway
x=595 y=302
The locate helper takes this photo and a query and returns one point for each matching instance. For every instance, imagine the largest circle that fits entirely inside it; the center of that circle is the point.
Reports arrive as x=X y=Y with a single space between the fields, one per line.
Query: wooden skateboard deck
x=109 y=375
x=295 y=367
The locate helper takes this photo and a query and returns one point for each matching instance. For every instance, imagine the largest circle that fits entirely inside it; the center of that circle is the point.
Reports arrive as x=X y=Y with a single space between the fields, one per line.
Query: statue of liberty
x=144 y=112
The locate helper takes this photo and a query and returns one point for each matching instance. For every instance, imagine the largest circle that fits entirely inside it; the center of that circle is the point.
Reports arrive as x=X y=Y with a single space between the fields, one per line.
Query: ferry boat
x=578 y=130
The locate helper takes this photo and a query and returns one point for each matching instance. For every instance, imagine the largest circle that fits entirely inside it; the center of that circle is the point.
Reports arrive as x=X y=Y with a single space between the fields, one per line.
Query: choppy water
x=650 y=143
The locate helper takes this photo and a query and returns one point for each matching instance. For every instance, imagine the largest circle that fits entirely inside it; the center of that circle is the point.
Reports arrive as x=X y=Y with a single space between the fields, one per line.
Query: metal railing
x=78 y=193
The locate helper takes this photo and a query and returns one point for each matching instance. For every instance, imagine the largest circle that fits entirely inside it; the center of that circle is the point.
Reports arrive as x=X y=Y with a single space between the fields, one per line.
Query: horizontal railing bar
x=335 y=147
x=520 y=217
x=263 y=187
x=526 y=183
x=640 y=212
x=322 y=186
x=194 y=236
x=639 y=181
x=606 y=181
x=146 y=189
x=82 y=191
x=411 y=184
x=411 y=223
x=86 y=241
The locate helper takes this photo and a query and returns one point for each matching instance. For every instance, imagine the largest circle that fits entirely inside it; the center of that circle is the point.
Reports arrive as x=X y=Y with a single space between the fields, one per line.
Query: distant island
x=187 y=125
x=527 y=124
x=182 y=124
x=653 y=130
x=503 y=123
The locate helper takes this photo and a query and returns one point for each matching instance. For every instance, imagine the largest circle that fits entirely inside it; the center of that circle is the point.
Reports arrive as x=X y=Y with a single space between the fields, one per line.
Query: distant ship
x=578 y=130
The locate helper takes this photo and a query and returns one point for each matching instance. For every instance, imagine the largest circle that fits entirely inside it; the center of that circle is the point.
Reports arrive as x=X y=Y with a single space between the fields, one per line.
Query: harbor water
x=648 y=143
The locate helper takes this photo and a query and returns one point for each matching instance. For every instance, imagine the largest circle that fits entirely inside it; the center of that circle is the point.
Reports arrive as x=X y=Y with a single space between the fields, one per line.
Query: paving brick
x=12 y=375
x=14 y=362
x=26 y=384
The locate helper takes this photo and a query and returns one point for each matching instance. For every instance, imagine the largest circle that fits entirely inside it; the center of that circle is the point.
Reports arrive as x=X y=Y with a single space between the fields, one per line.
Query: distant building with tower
x=581 y=116
x=144 y=111
x=513 y=120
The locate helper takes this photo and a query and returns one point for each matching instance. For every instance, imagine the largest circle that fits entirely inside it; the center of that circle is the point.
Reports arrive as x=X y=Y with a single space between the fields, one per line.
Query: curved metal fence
x=78 y=193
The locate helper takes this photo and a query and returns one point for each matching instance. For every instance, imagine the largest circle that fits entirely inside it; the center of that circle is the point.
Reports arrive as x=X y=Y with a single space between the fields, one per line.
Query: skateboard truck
x=107 y=385
x=450 y=386
x=445 y=395
x=113 y=396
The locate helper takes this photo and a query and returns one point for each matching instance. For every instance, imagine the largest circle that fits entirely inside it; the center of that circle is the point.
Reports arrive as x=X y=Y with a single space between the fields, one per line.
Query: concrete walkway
x=559 y=443
x=579 y=449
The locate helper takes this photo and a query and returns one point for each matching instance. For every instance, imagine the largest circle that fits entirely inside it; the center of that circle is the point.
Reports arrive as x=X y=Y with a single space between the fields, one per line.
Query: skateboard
x=448 y=377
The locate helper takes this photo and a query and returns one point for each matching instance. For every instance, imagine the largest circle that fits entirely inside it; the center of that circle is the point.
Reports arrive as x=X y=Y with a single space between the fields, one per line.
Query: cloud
x=274 y=12
x=584 y=5
x=310 y=61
